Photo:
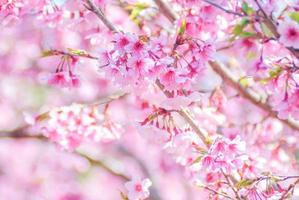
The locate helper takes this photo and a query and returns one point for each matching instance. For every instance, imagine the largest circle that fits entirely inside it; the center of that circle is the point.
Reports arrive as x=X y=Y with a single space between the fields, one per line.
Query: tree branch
x=231 y=185
x=103 y=165
x=182 y=112
x=249 y=94
x=245 y=92
x=20 y=134
x=288 y=190
x=165 y=10
x=153 y=190
x=98 y=11
x=224 y=9
x=217 y=193
x=186 y=116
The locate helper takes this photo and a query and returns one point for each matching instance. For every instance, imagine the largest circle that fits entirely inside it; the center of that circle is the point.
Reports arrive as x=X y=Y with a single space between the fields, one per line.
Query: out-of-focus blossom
x=138 y=189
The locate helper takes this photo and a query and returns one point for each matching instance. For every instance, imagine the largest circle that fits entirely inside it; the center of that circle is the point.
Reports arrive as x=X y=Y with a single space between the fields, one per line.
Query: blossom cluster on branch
x=201 y=96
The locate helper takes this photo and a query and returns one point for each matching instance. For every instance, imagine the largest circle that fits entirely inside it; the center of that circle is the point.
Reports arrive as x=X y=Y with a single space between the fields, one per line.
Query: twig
x=288 y=177
x=98 y=11
x=227 y=178
x=290 y=188
x=153 y=190
x=165 y=10
x=186 y=116
x=109 y=99
x=218 y=193
x=103 y=165
x=224 y=9
x=20 y=133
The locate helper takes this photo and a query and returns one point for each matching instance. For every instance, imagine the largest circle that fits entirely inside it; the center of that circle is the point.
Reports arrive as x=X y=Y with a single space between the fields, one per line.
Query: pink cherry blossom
x=59 y=79
x=138 y=188
x=289 y=34
x=69 y=126
x=199 y=97
x=121 y=41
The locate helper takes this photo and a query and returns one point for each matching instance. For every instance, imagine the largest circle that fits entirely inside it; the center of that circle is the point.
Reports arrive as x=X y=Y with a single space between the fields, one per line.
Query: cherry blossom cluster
x=269 y=51
x=69 y=126
x=9 y=10
x=225 y=155
x=51 y=12
x=136 y=61
x=211 y=86
x=216 y=167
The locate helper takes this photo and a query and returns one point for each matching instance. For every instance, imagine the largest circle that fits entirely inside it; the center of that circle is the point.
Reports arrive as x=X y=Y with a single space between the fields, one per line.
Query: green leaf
x=248 y=10
x=245 y=81
x=239 y=28
x=135 y=10
x=182 y=27
x=244 y=183
x=197 y=160
x=250 y=55
x=275 y=72
x=77 y=52
x=295 y=16
x=265 y=80
x=49 y=53
x=246 y=34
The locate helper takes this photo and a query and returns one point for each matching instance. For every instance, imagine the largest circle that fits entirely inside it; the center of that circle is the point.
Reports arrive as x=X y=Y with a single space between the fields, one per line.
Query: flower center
x=292 y=33
x=124 y=41
x=138 y=188
x=138 y=46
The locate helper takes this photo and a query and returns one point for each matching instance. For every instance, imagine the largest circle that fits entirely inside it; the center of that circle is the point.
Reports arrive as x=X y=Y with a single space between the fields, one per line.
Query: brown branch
x=183 y=113
x=103 y=165
x=98 y=11
x=217 y=193
x=289 y=189
x=166 y=10
x=224 y=9
x=227 y=178
x=116 y=96
x=153 y=190
x=250 y=94
x=20 y=134
x=186 y=116
x=224 y=73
